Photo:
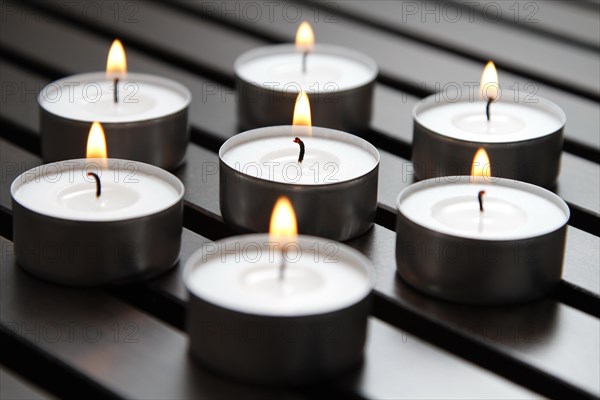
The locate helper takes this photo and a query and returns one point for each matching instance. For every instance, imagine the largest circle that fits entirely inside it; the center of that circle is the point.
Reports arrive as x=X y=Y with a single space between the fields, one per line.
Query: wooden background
x=130 y=342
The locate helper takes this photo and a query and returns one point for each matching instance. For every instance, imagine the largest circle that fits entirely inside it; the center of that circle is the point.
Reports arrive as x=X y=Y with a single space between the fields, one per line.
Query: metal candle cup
x=149 y=124
x=526 y=152
x=339 y=99
x=61 y=235
x=512 y=255
x=245 y=323
x=337 y=208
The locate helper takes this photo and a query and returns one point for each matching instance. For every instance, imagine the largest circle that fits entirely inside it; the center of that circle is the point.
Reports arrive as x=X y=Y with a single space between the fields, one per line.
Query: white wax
x=320 y=276
x=129 y=190
x=509 y=122
x=512 y=209
x=328 y=69
x=271 y=154
x=89 y=97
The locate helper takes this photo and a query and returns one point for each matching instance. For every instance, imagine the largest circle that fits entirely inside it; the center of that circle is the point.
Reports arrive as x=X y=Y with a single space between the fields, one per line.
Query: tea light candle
x=480 y=240
x=64 y=192
x=333 y=188
x=339 y=82
x=523 y=136
x=145 y=116
x=72 y=227
x=273 y=156
x=511 y=211
x=256 y=319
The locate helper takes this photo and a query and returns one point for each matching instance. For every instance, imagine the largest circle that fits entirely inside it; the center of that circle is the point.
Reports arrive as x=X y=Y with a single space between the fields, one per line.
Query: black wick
x=487 y=108
x=480 y=198
x=116 y=94
x=98 y=184
x=282 y=266
x=304 y=57
x=301 y=143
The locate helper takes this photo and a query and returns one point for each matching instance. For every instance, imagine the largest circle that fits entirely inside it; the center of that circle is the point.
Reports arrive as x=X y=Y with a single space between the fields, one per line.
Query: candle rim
x=319 y=48
x=289 y=131
x=364 y=264
x=148 y=169
x=542 y=104
x=101 y=77
x=504 y=182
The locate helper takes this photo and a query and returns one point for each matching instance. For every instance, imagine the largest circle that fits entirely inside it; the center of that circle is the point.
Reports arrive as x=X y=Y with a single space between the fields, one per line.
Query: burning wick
x=305 y=40
x=301 y=143
x=116 y=95
x=489 y=88
x=98 y=184
x=480 y=198
x=282 y=267
x=304 y=57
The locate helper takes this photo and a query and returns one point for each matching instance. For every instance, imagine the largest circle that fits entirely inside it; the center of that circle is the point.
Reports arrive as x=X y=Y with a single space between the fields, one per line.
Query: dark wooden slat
x=527 y=346
x=582 y=142
x=391 y=372
x=203 y=185
x=538 y=334
x=14 y=161
x=202 y=194
x=381 y=375
x=533 y=340
x=553 y=18
x=518 y=50
x=573 y=182
x=157 y=340
x=125 y=352
x=405 y=126
x=594 y=3
x=583 y=253
x=13 y=387
x=590 y=5
x=412 y=65
x=216 y=112
x=388 y=355
x=210 y=114
x=383 y=341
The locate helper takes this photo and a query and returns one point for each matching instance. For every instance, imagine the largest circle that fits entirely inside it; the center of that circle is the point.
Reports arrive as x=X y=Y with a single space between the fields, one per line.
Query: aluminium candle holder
x=346 y=108
x=89 y=252
x=340 y=210
x=159 y=140
x=275 y=349
x=479 y=271
x=536 y=161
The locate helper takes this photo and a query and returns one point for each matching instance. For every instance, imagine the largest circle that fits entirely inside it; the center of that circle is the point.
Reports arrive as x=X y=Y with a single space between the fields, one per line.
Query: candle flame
x=302 y=120
x=489 y=87
x=283 y=220
x=305 y=37
x=96 y=143
x=302 y=115
x=116 y=65
x=481 y=164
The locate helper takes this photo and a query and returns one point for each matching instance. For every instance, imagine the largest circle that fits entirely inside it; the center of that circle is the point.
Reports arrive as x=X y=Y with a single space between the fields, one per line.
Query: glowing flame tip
x=96 y=143
x=116 y=64
x=489 y=86
x=481 y=164
x=305 y=37
x=283 y=220
x=302 y=115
